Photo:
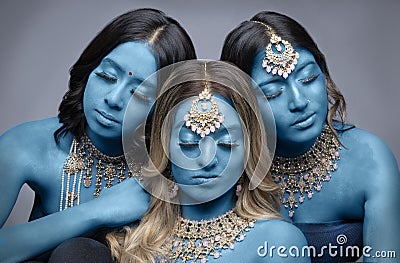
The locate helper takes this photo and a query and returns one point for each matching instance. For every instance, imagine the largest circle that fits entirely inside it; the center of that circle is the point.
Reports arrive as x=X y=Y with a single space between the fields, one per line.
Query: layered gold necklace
x=304 y=174
x=194 y=241
x=83 y=156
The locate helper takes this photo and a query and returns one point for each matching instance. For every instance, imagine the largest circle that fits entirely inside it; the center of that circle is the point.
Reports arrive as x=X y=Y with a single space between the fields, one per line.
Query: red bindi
x=130 y=73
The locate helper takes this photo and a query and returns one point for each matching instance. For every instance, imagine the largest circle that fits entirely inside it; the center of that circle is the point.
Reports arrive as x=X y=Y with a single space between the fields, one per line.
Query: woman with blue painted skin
x=339 y=184
x=72 y=161
x=213 y=197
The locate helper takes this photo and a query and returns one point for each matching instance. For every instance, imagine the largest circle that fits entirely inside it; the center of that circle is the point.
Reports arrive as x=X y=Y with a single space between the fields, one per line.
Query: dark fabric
x=37 y=209
x=98 y=235
x=43 y=258
x=340 y=234
x=81 y=250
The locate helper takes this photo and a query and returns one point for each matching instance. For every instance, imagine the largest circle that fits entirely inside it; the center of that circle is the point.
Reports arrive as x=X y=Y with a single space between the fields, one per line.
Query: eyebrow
x=234 y=127
x=265 y=82
x=231 y=127
x=113 y=63
x=306 y=64
x=278 y=78
x=118 y=66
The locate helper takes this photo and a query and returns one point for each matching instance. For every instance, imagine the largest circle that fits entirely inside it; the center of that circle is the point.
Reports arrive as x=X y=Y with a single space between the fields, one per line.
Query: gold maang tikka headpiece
x=204 y=116
x=280 y=56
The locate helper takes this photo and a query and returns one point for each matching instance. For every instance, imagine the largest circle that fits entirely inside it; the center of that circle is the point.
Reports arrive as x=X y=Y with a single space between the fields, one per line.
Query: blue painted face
x=113 y=83
x=212 y=165
x=299 y=103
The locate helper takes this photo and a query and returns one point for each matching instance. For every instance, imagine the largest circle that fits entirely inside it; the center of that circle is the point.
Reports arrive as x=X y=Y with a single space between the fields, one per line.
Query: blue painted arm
x=116 y=206
x=28 y=154
x=381 y=222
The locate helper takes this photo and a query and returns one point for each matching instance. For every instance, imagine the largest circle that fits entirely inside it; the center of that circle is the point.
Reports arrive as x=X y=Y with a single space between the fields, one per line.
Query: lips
x=107 y=116
x=303 y=118
x=202 y=179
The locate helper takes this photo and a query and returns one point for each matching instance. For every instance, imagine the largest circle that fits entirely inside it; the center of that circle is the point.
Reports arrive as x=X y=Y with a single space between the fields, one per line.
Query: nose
x=297 y=100
x=208 y=156
x=211 y=164
x=114 y=98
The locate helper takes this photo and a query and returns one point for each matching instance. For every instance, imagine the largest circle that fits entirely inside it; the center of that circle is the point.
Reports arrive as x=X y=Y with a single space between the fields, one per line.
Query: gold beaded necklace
x=78 y=165
x=305 y=173
x=194 y=241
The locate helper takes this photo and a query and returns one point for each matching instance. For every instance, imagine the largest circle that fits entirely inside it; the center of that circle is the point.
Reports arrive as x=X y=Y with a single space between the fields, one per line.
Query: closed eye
x=310 y=79
x=140 y=96
x=106 y=77
x=188 y=144
x=271 y=96
x=228 y=144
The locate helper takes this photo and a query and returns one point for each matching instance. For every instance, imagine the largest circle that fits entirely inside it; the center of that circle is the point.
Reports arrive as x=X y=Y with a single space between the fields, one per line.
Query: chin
x=113 y=133
x=304 y=135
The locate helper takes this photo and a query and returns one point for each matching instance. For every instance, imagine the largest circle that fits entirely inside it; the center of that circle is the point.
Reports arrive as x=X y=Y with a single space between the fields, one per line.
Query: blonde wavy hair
x=144 y=242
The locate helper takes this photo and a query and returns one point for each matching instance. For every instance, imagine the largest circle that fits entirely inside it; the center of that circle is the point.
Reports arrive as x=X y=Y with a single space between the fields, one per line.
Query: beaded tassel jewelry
x=305 y=173
x=280 y=57
x=79 y=166
x=194 y=241
x=72 y=166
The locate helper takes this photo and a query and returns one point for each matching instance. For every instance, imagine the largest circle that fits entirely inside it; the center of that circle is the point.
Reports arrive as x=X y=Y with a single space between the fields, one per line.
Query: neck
x=211 y=209
x=293 y=149
x=108 y=146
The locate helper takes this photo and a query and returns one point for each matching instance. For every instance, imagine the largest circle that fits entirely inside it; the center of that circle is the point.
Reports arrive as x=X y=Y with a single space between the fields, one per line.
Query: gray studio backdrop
x=40 y=40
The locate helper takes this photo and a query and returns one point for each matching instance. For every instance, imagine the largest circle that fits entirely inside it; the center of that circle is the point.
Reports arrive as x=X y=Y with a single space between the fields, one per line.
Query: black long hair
x=246 y=40
x=168 y=40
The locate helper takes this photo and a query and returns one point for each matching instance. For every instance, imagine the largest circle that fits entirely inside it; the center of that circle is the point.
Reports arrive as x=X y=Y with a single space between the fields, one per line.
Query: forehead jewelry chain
x=204 y=116
x=194 y=241
x=78 y=166
x=280 y=56
x=304 y=174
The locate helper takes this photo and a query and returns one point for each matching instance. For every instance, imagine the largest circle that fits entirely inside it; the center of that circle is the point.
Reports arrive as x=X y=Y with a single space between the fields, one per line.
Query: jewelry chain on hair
x=280 y=56
x=204 y=116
